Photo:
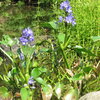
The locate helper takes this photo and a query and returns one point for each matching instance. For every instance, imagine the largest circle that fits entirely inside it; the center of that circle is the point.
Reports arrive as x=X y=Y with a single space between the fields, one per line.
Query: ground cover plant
x=49 y=52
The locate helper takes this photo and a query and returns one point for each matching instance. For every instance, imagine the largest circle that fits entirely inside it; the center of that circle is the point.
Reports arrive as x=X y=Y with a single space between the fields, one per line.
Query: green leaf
x=44 y=50
x=80 y=49
x=20 y=3
x=87 y=69
x=5 y=78
x=41 y=81
x=47 y=89
x=95 y=38
x=59 y=85
x=77 y=77
x=10 y=53
x=1 y=77
x=46 y=24
x=43 y=69
x=4 y=92
x=35 y=64
x=51 y=25
x=19 y=51
x=7 y=41
x=24 y=94
x=14 y=71
x=1 y=60
x=61 y=38
x=27 y=50
x=35 y=72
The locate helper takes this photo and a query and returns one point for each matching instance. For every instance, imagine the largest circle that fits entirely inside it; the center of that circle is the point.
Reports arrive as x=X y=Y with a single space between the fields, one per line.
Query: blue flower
x=66 y=5
x=21 y=56
x=27 y=32
x=70 y=19
x=68 y=9
x=23 y=40
x=27 y=36
x=31 y=81
x=31 y=38
x=60 y=19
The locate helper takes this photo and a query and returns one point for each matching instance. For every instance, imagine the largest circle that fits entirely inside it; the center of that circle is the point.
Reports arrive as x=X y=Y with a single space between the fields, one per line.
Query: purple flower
x=68 y=9
x=31 y=81
x=66 y=5
x=23 y=40
x=60 y=19
x=73 y=22
x=27 y=32
x=70 y=19
x=27 y=36
x=21 y=56
x=31 y=38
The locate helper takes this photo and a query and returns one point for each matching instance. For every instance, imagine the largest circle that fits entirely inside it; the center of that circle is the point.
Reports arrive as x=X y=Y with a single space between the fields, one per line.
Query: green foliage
x=44 y=50
x=87 y=69
x=41 y=81
x=51 y=25
x=28 y=51
x=95 y=38
x=7 y=41
x=35 y=72
x=4 y=93
x=1 y=60
x=61 y=38
x=63 y=59
x=80 y=49
x=24 y=94
x=77 y=77
x=47 y=89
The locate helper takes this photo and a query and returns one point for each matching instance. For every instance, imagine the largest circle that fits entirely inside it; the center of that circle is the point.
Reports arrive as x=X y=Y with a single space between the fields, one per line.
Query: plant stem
x=27 y=65
x=64 y=56
x=62 y=50
x=6 y=54
x=21 y=74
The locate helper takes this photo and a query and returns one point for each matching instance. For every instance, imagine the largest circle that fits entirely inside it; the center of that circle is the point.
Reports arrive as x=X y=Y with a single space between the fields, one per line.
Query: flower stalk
x=64 y=56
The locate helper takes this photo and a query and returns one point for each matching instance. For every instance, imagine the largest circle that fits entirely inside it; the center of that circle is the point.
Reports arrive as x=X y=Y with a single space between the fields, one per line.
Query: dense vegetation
x=47 y=50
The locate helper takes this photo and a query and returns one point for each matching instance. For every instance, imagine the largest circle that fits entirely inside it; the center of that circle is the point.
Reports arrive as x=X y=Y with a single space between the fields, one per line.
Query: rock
x=91 y=96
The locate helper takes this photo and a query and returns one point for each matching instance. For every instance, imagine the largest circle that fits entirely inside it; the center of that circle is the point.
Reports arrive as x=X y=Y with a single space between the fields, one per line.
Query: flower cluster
x=27 y=36
x=66 y=5
x=70 y=18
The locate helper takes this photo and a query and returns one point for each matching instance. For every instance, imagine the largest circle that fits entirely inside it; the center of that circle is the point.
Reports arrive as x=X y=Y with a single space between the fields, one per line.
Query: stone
x=91 y=96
